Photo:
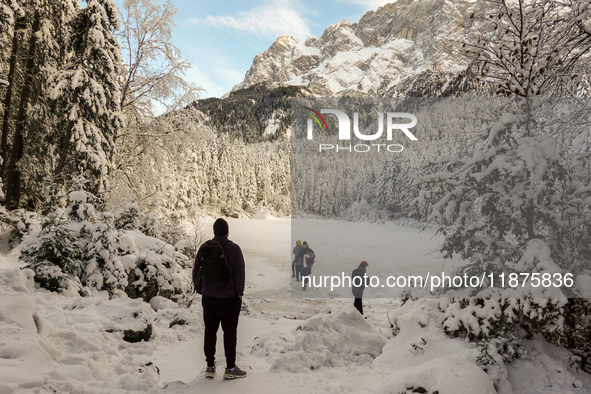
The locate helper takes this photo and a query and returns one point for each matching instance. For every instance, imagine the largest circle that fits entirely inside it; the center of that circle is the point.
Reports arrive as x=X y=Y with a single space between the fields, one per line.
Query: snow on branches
x=529 y=48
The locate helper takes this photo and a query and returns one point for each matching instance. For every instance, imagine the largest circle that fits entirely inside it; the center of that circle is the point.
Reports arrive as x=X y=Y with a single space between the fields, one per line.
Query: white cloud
x=215 y=80
x=272 y=19
x=368 y=4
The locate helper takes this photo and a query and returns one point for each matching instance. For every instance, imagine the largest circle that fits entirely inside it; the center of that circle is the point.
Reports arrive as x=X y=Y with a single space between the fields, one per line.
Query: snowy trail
x=268 y=309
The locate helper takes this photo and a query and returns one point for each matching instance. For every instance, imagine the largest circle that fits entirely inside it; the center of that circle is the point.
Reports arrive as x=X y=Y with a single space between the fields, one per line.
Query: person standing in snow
x=221 y=298
x=305 y=259
x=358 y=284
x=295 y=252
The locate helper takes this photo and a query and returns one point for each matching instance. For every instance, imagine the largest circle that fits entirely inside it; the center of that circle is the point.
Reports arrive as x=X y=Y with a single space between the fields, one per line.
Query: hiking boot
x=234 y=373
x=210 y=372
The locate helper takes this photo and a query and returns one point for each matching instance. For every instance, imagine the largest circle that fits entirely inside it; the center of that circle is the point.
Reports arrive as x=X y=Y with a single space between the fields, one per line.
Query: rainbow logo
x=315 y=115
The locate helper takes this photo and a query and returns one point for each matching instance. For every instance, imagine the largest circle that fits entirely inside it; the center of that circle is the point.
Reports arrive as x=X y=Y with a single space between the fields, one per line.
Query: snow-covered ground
x=51 y=343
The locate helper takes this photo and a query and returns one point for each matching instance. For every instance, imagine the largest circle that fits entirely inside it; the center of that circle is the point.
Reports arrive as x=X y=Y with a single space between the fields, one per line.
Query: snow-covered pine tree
x=520 y=181
x=9 y=12
x=100 y=267
x=36 y=51
x=55 y=257
x=103 y=269
x=89 y=92
x=517 y=176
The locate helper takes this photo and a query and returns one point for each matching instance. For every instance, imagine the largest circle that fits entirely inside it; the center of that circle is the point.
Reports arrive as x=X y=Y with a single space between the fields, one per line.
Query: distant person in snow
x=358 y=285
x=305 y=260
x=218 y=275
x=295 y=252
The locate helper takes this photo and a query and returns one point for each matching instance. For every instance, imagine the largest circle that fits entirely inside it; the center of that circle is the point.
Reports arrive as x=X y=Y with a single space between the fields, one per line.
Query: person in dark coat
x=301 y=262
x=295 y=252
x=358 y=285
x=222 y=304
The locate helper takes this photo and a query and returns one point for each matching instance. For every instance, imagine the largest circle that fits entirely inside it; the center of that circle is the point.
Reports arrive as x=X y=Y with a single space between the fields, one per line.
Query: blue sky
x=221 y=38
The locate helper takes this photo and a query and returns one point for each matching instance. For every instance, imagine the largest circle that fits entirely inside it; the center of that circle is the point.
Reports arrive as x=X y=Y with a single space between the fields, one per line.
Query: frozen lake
x=339 y=246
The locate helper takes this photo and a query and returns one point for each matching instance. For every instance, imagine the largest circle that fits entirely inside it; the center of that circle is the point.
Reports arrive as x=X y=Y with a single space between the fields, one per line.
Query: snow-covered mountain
x=408 y=48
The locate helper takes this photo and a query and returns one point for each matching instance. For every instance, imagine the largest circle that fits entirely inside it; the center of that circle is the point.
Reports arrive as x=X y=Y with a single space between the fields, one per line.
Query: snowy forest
x=110 y=164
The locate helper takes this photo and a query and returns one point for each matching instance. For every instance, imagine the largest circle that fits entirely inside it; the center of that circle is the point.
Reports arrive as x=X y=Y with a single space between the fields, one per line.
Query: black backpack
x=214 y=271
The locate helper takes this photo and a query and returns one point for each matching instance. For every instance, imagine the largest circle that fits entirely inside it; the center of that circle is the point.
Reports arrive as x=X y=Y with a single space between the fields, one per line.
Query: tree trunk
x=12 y=176
x=11 y=89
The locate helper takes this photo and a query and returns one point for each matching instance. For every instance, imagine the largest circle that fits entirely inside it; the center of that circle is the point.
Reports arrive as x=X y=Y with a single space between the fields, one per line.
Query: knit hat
x=364 y=263
x=305 y=243
x=220 y=227
x=298 y=242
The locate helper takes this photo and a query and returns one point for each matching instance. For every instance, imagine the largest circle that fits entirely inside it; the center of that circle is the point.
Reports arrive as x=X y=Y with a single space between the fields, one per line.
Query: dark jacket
x=358 y=272
x=235 y=264
x=299 y=260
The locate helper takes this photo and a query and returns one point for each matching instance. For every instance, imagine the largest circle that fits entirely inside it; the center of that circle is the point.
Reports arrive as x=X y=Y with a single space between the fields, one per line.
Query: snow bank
x=21 y=351
x=70 y=344
x=422 y=356
x=445 y=375
x=337 y=336
x=158 y=303
x=17 y=305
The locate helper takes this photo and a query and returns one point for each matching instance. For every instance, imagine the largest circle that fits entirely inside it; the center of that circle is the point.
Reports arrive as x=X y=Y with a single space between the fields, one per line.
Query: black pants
x=298 y=272
x=359 y=304
x=216 y=311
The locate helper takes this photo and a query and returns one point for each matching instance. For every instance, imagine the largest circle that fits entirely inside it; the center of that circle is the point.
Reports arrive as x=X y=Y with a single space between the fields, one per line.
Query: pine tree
x=89 y=93
x=515 y=203
x=103 y=269
x=518 y=177
x=36 y=51
x=56 y=257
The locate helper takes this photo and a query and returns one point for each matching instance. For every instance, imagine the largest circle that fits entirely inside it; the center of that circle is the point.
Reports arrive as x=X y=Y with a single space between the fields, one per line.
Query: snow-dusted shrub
x=131 y=218
x=169 y=228
x=500 y=324
x=128 y=217
x=20 y=223
x=153 y=267
x=103 y=269
x=55 y=256
x=79 y=209
x=81 y=249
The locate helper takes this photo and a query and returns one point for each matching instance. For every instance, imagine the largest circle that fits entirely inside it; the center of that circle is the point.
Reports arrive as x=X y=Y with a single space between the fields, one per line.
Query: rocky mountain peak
x=283 y=43
x=400 y=48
